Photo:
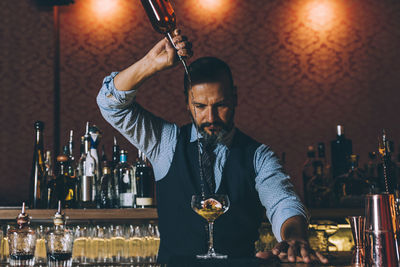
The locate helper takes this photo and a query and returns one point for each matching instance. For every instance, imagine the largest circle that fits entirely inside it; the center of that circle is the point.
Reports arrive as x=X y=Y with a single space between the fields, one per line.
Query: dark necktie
x=207 y=161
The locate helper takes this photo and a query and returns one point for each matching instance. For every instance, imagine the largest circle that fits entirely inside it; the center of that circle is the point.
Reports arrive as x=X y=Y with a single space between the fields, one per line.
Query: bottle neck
x=87 y=145
x=123 y=158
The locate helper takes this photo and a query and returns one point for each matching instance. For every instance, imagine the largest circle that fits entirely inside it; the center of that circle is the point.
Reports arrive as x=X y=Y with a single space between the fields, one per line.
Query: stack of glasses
x=99 y=244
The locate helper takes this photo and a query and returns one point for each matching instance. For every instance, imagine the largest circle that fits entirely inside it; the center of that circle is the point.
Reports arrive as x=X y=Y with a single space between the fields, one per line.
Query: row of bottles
x=91 y=182
x=342 y=182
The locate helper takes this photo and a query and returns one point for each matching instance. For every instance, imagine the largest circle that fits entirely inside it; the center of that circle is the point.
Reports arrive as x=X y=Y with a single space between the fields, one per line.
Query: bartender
x=234 y=163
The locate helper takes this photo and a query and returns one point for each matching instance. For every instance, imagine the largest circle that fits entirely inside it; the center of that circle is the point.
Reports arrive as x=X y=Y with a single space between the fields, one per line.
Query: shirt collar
x=226 y=140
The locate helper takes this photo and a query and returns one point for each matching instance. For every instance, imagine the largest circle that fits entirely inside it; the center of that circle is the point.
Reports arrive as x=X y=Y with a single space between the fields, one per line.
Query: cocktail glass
x=210 y=208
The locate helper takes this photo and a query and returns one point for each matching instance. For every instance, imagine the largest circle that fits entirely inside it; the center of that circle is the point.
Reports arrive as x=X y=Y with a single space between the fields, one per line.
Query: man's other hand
x=293 y=251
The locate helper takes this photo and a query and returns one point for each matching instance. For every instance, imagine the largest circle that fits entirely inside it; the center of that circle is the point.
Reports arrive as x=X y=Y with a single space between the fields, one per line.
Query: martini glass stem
x=211 y=250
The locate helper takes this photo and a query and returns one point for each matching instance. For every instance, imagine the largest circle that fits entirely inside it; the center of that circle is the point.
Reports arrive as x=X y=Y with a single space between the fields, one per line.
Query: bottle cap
x=22 y=218
x=39 y=125
x=353 y=158
x=59 y=217
x=62 y=158
x=340 y=130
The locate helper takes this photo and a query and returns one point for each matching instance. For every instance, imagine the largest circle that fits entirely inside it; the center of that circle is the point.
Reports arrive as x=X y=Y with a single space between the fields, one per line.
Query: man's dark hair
x=207 y=70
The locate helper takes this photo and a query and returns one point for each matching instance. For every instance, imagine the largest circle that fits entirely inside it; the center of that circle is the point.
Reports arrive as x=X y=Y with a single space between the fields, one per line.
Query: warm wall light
x=211 y=4
x=320 y=14
x=105 y=8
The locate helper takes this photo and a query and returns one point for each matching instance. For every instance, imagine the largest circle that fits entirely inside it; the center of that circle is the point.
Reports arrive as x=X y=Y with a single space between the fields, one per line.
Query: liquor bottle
x=71 y=146
x=352 y=187
x=115 y=154
x=162 y=17
x=22 y=241
x=50 y=183
x=87 y=175
x=387 y=167
x=318 y=190
x=59 y=241
x=37 y=176
x=95 y=136
x=71 y=183
x=371 y=172
x=124 y=173
x=308 y=172
x=144 y=182
x=341 y=149
x=326 y=167
x=107 y=188
x=60 y=189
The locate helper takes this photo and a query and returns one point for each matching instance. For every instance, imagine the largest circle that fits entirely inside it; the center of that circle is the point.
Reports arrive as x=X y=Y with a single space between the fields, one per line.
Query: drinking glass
x=40 y=250
x=80 y=249
x=210 y=208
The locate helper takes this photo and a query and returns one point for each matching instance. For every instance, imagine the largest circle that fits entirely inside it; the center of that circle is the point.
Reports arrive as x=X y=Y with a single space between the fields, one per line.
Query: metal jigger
x=380 y=230
x=357 y=224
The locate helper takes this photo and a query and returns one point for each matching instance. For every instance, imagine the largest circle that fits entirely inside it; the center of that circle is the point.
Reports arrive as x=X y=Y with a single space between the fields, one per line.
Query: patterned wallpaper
x=301 y=66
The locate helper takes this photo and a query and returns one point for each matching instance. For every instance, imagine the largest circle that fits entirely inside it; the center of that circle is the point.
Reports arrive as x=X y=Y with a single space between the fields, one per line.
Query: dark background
x=301 y=67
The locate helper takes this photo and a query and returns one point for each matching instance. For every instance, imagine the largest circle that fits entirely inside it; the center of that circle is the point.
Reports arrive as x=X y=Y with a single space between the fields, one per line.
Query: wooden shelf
x=85 y=214
x=142 y=214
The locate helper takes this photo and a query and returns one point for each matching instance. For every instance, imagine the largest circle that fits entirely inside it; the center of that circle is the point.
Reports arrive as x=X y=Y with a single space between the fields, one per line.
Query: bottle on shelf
x=37 y=177
x=320 y=194
x=308 y=172
x=70 y=153
x=351 y=188
x=107 y=189
x=326 y=167
x=115 y=154
x=341 y=149
x=144 y=182
x=371 y=172
x=87 y=173
x=50 y=182
x=319 y=190
x=59 y=241
x=22 y=241
x=124 y=175
x=64 y=188
x=95 y=136
x=387 y=168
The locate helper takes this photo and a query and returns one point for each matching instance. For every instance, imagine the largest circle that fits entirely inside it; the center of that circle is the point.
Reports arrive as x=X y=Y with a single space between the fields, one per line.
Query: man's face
x=212 y=106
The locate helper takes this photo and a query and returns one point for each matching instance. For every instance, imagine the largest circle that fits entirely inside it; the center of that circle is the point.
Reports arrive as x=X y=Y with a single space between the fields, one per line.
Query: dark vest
x=183 y=232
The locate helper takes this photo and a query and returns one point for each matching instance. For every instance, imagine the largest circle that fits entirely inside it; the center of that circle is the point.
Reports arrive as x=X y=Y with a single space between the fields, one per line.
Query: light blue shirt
x=157 y=139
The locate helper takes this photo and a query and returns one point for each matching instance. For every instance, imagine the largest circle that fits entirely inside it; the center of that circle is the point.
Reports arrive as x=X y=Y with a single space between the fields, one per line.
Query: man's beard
x=215 y=137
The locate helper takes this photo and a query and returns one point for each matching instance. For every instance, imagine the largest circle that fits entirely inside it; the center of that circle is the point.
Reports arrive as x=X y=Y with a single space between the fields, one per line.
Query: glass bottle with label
x=351 y=187
x=37 y=178
x=87 y=175
x=144 y=184
x=50 y=181
x=107 y=189
x=124 y=173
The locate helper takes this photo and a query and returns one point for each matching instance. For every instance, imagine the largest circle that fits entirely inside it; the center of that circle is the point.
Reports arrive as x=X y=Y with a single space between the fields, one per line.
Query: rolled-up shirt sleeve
x=154 y=136
x=275 y=190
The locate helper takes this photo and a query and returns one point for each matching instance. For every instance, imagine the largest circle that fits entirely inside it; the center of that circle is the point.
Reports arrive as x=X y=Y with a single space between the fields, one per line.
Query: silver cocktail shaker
x=381 y=231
